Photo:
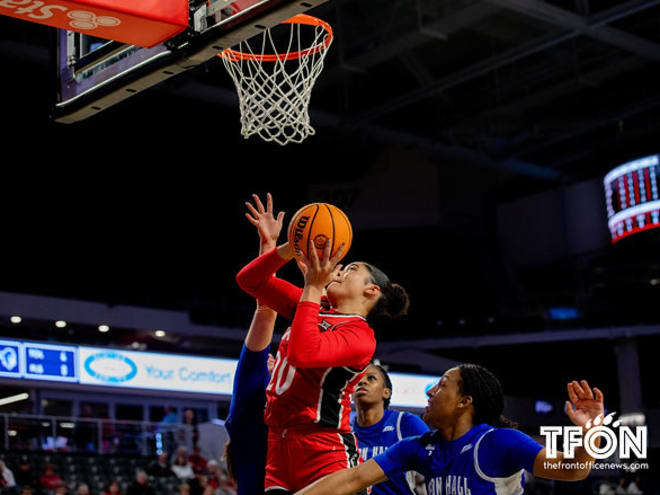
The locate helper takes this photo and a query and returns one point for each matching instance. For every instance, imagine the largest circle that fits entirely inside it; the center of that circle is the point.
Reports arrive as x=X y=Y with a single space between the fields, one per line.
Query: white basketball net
x=274 y=90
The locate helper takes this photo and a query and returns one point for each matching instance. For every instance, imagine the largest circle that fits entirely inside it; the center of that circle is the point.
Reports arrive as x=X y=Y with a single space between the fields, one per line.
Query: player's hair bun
x=393 y=301
x=398 y=301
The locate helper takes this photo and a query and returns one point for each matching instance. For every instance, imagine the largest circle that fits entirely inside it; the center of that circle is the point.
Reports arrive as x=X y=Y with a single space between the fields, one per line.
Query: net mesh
x=274 y=86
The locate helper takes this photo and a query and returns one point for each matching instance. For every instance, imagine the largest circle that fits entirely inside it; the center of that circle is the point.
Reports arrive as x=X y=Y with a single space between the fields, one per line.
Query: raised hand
x=267 y=225
x=584 y=404
x=320 y=272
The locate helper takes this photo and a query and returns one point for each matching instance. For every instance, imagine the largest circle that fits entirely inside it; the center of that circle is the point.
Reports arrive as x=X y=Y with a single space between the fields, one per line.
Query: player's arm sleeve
x=250 y=381
x=412 y=425
x=351 y=344
x=258 y=279
x=401 y=457
x=504 y=452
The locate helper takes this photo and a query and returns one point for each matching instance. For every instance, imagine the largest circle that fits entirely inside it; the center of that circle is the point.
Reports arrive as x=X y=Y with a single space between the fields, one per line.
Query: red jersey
x=320 y=359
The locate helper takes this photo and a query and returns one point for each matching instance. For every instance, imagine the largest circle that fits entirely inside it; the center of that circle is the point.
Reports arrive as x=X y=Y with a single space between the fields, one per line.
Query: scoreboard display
x=631 y=193
x=37 y=361
x=50 y=362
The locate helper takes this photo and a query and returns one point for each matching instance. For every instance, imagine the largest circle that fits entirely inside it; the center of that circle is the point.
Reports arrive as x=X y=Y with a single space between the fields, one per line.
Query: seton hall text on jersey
x=377 y=450
x=452 y=485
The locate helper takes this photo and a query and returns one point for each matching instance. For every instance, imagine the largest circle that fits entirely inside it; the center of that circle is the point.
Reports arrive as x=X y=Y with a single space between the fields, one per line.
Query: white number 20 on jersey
x=278 y=372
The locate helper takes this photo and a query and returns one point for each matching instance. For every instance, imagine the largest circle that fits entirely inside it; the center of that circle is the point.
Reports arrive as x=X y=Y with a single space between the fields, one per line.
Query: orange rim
x=235 y=55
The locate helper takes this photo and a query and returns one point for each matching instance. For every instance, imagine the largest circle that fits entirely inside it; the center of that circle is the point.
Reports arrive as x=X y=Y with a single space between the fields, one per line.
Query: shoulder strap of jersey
x=504 y=486
x=399 y=436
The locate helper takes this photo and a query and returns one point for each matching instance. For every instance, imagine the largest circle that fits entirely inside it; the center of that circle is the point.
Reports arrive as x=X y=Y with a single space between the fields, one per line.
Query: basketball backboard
x=94 y=74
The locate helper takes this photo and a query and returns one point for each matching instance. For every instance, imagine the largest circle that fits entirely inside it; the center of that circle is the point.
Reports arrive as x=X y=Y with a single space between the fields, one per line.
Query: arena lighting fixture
x=60 y=323
x=103 y=328
x=14 y=398
x=16 y=319
x=632 y=198
x=67 y=425
x=160 y=333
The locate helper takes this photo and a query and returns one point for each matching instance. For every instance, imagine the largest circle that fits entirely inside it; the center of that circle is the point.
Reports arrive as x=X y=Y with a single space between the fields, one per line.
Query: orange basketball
x=319 y=223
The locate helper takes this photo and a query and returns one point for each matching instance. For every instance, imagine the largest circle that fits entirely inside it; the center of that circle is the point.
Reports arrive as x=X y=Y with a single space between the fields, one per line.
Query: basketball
x=319 y=223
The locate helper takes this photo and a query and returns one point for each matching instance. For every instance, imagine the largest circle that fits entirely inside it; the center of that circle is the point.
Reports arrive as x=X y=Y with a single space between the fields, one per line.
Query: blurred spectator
x=188 y=434
x=169 y=416
x=189 y=417
x=167 y=428
x=197 y=460
x=50 y=479
x=606 y=487
x=113 y=488
x=160 y=467
x=184 y=489
x=182 y=468
x=181 y=451
x=24 y=475
x=634 y=486
x=26 y=490
x=7 y=480
x=62 y=490
x=621 y=488
x=227 y=485
x=208 y=490
x=83 y=489
x=141 y=485
x=213 y=473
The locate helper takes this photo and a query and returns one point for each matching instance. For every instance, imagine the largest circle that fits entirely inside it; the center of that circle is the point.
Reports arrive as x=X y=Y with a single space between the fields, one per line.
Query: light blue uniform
x=484 y=461
x=376 y=439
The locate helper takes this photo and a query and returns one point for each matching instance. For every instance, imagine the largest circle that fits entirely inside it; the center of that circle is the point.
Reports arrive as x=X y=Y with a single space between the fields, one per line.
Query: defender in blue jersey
x=245 y=453
x=377 y=427
x=474 y=451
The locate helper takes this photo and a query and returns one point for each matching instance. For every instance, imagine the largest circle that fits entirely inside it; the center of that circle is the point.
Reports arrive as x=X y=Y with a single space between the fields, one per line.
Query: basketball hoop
x=274 y=88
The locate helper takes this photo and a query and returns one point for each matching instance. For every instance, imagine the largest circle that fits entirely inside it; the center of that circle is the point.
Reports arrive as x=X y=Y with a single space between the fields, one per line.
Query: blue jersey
x=245 y=423
x=484 y=461
x=375 y=439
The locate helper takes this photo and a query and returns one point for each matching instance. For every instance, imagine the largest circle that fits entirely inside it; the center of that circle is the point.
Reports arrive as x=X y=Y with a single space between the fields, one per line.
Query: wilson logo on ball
x=299 y=231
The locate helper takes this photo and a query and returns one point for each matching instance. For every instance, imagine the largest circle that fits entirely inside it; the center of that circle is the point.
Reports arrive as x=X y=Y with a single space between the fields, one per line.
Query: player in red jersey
x=321 y=357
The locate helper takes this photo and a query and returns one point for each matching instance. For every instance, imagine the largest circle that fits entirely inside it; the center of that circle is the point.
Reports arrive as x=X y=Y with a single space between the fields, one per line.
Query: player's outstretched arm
x=260 y=334
x=257 y=277
x=584 y=406
x=348 y=481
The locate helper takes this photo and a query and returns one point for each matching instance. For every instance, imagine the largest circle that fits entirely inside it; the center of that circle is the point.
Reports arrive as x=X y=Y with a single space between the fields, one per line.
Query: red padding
x=143 y=23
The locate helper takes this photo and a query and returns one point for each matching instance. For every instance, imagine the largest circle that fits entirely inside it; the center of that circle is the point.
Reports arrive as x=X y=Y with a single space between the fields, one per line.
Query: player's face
x=444 y=400
x=371 y=389
x=352 y=282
